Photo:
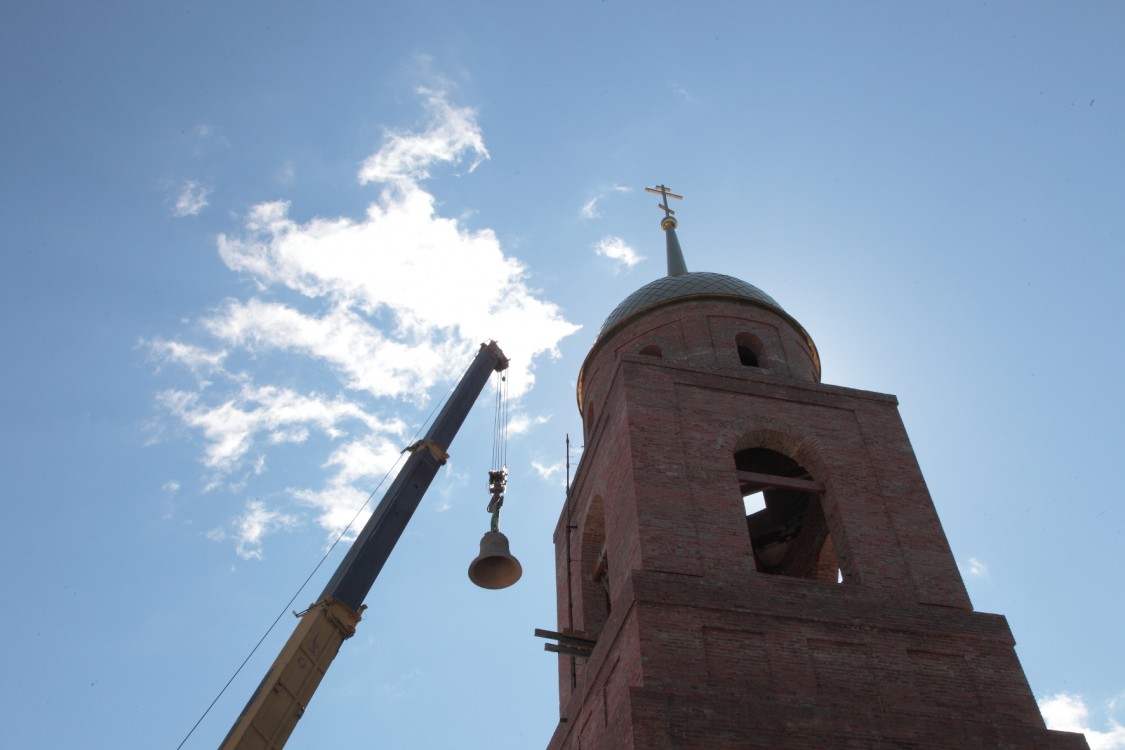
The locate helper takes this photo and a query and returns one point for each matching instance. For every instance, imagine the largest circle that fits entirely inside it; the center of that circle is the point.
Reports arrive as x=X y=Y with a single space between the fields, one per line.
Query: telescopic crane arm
x=280 y=700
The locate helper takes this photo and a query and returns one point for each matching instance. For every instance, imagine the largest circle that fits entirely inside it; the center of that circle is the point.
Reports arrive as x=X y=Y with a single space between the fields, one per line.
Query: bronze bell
x=494 y=567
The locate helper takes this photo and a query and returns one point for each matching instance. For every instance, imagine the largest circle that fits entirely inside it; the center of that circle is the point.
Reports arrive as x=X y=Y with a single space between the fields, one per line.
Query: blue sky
x=250 y=244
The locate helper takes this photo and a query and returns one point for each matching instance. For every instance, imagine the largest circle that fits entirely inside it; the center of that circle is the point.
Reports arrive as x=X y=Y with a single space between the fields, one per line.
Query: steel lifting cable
x=305 y=583
x=500 y=433
x=500 y=424
x=498 y=473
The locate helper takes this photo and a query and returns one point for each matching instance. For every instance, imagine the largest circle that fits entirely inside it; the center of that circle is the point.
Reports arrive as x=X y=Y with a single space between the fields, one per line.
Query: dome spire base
x=676 y=264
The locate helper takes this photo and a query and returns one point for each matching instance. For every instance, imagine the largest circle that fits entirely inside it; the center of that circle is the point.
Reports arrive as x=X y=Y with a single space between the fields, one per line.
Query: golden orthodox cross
x=664 y=192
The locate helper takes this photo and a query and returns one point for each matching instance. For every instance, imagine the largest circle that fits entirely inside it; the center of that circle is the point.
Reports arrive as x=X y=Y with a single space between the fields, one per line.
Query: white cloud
x=392 y=304
x=443 y=289
x=976 y=568
x=367 y=458
x=548 y=472
x=289 y=435
x=680 y=91
x=170 y=489
x=231 y=426
x=195 y=358
x=256 y=521
x=407 y=157
x=1069 y=713
x=191 y=200
x=520 y=424
x=363 y=461
x=342 y=338
x=590 y=208
x=616 y=249
x=339 y=507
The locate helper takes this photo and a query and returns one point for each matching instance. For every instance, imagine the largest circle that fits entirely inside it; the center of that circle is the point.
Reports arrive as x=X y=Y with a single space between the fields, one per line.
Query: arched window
x=652 y=350
x=749 y=349
x=784 y=517
x=595 y=564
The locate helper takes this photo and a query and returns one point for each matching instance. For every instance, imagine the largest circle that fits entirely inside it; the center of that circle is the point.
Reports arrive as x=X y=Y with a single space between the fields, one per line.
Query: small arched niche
x=785 y=517
x=594 y=565
x=652 y=350
x=749 y=349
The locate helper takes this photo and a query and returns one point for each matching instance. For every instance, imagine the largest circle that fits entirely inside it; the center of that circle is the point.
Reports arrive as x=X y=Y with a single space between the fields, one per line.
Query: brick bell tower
x=749 y=558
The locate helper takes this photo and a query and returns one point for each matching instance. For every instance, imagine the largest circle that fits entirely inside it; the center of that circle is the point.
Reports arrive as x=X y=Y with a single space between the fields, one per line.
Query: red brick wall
x=701 y=651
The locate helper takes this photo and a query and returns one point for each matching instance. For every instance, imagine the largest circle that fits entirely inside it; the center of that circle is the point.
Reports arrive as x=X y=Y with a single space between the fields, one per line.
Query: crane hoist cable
x=498 y=474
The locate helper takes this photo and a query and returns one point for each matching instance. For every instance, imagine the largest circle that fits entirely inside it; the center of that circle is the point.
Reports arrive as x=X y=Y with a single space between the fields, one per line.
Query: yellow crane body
x=271 y=715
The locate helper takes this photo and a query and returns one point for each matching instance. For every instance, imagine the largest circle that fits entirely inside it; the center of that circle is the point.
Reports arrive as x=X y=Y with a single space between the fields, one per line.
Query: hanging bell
x=494 y=567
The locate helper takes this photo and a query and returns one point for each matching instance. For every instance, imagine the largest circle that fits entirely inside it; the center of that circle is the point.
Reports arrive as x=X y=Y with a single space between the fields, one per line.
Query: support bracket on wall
x=570 y=642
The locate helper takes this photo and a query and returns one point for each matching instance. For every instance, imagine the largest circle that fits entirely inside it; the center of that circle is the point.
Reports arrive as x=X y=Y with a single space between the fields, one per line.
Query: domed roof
x=681 y=284
x=697 y=284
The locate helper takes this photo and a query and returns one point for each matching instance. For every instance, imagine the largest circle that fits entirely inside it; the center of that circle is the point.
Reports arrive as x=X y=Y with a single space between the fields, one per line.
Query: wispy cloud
x=340 y=506
x=400 y=686
x=590 y=209
x=205 y=136
x=975 y=568
x=355 y=465
x=252 y=526
x=548 y=472
x=1069 y=713
x=191 y=199
x=195 y=358
x=619 y=251
x=521 y=423
x=406 y=157
x=388 y=305
x=170 y=489
x=680 y=91
x=231 y=426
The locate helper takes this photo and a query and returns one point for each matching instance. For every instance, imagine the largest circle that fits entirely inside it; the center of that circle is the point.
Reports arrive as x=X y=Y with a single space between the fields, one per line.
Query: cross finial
x=665 y=193
x=676 y=265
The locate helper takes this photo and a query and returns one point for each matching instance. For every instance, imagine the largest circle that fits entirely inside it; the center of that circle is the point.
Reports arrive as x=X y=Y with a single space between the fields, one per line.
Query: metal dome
x=689 y=284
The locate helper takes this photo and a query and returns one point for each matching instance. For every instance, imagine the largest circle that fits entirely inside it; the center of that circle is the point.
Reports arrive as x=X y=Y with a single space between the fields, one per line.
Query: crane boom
x=273 y=711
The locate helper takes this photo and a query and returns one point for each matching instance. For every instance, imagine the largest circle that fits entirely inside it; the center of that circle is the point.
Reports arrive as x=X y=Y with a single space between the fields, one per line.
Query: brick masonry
x=698 y=649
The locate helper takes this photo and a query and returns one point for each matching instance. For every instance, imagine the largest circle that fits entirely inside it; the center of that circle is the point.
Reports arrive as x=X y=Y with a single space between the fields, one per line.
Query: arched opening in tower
x=785 y=517
x=594 y=564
